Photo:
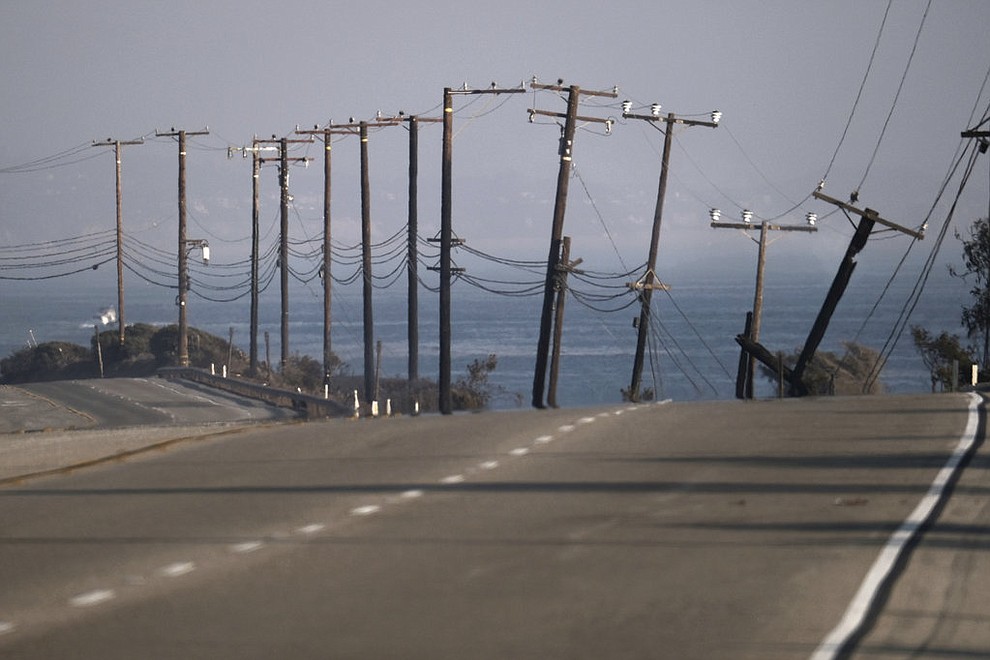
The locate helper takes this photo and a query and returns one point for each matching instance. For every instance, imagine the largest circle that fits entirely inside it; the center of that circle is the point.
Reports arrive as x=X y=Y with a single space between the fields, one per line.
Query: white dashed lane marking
x=566 y=428
x=247 y=546
x=6 y=627
x=520 y=451
x=453 y=479
x=177 y=569
x=91 y=598
x=312 y=528
x=411 y=494
x=366 y=510
x=488 y=465
x=543 y=439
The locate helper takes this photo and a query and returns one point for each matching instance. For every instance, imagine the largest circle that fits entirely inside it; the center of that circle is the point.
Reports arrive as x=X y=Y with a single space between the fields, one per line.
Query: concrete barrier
x=311 y=407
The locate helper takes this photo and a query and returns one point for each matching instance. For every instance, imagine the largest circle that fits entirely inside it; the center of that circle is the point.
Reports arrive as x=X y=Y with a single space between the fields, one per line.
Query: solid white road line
x=878 y=574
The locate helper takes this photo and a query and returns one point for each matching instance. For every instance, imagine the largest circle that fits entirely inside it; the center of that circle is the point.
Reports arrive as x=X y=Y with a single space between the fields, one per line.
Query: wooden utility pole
x=744 y=383
x=647 y=284
x=570 y=117
x=282 y=146
x=445 y=401
x=563 y=268
x=868 y=218
x=256 y=161
x=117 y=144
x=184 y=244
x=327 y=246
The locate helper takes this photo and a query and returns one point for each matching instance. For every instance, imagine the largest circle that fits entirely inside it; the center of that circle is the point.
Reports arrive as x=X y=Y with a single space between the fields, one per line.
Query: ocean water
x=694 y=357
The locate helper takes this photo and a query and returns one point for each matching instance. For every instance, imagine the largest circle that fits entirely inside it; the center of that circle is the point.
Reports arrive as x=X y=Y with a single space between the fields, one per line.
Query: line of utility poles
x=184 y=245
x=747 y=363
x=571 y=118
x=117 y=144
x=649 y=282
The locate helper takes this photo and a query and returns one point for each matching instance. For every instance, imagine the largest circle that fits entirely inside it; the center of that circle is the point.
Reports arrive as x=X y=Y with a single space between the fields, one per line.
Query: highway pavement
x=694 y=530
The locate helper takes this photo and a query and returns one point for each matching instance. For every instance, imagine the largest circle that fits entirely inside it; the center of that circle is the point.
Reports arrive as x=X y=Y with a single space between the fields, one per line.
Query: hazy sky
x=785 y=74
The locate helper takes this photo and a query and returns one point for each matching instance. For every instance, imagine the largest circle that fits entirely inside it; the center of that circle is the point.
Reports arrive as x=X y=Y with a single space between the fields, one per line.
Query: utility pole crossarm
x=612 y=94
x=772 y=227
x=671 y=120
x=870 y=214
x=563 y=115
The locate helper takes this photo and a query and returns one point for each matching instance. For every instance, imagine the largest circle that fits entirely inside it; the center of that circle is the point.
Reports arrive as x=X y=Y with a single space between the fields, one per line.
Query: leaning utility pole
x=445 y=403
x=868 y=219
x=117 y=144
x=183 y=348
x=744 y=380
x=646 y=284
x=563 y=268
x=560 y=203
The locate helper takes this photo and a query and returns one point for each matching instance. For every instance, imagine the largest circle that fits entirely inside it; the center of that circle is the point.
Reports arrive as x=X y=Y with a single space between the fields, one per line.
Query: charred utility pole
x=445 y=403
x=563 y=268
x=744 y=380
x=571 y=118
x=184 y=244
x=117 y=144
x=648 y=282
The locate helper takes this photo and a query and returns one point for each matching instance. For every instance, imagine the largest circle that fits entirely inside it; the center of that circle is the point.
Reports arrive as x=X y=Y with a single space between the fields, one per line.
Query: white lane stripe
x=247 y=546
x=586 y=420
x=366 y=510
x=6 y=627
x=859 y=608
x=91 y=598
x=312 y=528
x=411 y=494
x=566 y=428
x=453 y=479
x=177 y=569
x=488 y=465
x=520 y=451
x=543 y=439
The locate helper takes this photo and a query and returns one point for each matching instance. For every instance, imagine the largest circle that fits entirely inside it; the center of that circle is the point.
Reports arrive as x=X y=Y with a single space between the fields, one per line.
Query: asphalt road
x=715 y=530
x=120 y=402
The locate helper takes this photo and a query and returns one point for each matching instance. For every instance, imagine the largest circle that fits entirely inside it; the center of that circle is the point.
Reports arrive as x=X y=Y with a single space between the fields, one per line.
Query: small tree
x=474 y=391
x=976 y=259
x=939 y=353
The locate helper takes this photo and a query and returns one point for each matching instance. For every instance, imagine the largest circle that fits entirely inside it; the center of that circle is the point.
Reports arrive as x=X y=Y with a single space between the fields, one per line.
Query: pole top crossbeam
x=869 y=214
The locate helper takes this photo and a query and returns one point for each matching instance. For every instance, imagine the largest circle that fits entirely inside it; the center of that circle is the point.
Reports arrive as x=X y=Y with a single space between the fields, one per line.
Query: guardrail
x=309 y=406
